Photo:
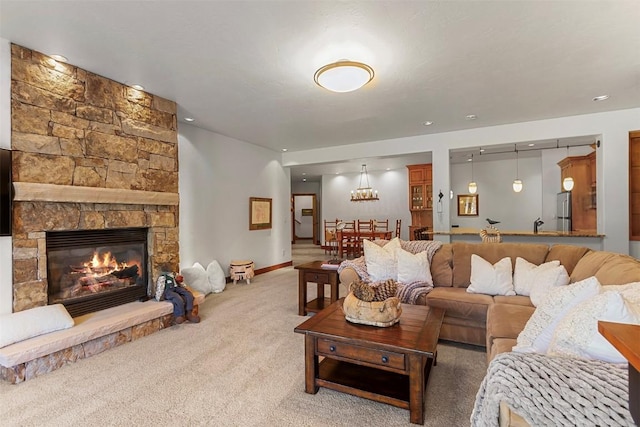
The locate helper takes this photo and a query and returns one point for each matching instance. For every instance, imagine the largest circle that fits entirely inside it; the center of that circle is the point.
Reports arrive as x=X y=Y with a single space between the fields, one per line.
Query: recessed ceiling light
x=428 y=123
x=137 y=87
x=471 y=117
x=304 y=173
x=59 y=58
x=284 y=149
x=601 y=98
x=531 y=145
x=482 y=150
x=469 y=160
x=304 y=179
x=189 y=119
x=388 y=169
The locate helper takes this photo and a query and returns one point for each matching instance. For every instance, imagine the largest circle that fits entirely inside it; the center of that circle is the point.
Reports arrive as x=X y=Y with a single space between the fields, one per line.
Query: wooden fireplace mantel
x=36 y=192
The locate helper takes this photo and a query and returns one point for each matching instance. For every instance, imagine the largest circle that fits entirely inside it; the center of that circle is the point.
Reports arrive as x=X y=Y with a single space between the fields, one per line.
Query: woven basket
x=376 y=313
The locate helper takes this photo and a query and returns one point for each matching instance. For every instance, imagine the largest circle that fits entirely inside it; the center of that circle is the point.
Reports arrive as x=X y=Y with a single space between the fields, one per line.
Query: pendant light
x=517 y=183
x=473 y=187
x=567 y=183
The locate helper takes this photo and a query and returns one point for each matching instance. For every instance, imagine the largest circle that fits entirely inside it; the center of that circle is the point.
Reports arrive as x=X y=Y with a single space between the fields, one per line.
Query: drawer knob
x=332 y=348
x=385 y=359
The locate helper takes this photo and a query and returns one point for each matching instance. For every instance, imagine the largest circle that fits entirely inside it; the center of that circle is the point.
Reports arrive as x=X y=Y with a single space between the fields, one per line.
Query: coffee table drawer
x=376 y=357
x=316 y=277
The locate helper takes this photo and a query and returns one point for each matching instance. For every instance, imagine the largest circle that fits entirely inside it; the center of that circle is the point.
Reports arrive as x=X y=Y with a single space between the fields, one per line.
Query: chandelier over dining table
x=362 y=193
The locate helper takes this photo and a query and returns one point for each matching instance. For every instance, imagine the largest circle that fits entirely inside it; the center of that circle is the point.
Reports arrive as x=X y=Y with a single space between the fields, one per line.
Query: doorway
x=304 y=217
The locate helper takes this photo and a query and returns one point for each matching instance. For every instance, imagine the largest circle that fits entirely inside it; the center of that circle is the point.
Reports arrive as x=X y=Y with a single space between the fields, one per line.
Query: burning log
x=131 y=271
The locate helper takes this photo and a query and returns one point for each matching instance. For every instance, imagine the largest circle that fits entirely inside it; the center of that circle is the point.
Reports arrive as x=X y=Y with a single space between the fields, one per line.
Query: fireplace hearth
x=91 y=270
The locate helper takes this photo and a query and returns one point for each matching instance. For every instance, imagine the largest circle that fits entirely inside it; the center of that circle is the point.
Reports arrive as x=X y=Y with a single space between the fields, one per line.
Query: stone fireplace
x=88 y=155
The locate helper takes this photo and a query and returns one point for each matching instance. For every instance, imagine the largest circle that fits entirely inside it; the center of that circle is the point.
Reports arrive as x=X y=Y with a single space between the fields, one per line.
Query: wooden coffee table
x=389 y=365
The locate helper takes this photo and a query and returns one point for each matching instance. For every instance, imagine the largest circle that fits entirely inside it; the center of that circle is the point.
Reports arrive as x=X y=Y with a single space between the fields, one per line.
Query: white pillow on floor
x=215 y=276
x=196 y=278
x=491 y=279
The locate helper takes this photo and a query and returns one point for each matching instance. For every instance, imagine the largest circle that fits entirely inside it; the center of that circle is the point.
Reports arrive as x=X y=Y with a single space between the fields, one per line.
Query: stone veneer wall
x=74 y=128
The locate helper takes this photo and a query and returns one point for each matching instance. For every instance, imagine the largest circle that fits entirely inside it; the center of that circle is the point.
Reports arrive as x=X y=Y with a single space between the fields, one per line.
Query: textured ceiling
x=245 y=68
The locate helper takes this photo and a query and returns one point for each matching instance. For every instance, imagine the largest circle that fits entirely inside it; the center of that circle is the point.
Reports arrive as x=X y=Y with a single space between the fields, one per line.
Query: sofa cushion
x=590 y=263
x=568 y=255
x=513 y=299
x=442 y=266
x=457 y=302
x=507 y=320
x=619 y=270
x=492 y=252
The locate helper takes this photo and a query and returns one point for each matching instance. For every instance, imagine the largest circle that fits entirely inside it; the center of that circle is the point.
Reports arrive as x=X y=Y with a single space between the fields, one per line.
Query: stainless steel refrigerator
x=563 y=211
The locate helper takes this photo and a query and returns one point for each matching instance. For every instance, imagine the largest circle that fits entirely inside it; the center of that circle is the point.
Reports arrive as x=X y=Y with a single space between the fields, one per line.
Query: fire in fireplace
x=90 y=270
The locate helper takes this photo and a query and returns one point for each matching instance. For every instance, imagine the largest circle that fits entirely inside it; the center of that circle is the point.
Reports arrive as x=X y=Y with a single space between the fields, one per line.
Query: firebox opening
x=90 y=270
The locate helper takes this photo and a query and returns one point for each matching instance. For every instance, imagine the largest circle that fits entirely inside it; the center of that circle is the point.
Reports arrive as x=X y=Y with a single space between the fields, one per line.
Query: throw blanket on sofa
x=554 y=391
x=407 y=292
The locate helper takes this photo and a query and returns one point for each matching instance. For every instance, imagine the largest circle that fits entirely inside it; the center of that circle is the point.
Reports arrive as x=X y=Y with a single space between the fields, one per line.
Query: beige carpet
x=241 y=366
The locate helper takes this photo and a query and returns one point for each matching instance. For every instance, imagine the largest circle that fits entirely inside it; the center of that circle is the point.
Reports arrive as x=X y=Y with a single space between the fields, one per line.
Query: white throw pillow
x=547 y=280
x=413 y=268
x=537 y=333
x=215 y=276
x=490 y=279
x=19 y=326
x=577 y=333
x=525 y=274
x=381 y=261
x=196 y=278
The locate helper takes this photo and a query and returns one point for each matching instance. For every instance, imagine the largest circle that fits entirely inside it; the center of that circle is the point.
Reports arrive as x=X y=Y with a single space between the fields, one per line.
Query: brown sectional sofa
x=496 y=321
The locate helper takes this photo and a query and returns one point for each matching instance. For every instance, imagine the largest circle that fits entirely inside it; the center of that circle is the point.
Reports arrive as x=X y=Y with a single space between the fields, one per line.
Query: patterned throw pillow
x=381 y=261
x=577 y=333
x=538 y=332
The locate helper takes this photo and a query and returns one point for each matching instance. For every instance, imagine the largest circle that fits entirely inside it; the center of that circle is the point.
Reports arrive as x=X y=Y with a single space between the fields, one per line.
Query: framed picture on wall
x=259 y=213
x=468 y=205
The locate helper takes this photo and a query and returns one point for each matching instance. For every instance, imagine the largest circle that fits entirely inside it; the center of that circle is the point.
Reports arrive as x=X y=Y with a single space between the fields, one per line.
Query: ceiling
x=245 y=69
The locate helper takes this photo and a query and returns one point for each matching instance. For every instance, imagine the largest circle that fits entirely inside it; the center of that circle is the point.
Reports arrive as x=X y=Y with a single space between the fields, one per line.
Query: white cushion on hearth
x=22 y=325
x=196 y=278
x=215 y=276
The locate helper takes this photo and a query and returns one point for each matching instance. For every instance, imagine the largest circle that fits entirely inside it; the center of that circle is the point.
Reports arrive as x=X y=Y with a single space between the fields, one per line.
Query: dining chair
x=364 y=225
x=398 y=221
x=381 y=224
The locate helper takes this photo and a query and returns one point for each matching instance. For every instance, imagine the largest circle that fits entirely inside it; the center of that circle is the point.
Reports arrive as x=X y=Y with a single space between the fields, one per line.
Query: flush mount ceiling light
x=137 y=87
x=601 y=98
x=428 y=123
x=189 y=119
x=343 y=76
x=471 y=117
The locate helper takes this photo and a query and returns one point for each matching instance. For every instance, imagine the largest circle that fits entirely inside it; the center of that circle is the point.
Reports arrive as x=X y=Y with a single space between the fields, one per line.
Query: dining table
x=357 y=236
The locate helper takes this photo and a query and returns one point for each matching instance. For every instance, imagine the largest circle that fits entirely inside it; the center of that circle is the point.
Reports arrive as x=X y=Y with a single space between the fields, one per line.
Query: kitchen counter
x=476 y=232
x=591 y=240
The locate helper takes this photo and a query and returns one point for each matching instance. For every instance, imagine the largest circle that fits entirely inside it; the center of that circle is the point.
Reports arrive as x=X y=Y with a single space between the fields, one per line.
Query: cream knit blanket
x=554 y=391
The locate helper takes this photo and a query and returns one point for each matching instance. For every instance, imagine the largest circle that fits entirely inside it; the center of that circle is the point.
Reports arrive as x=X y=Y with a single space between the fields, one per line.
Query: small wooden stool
x=241 y=270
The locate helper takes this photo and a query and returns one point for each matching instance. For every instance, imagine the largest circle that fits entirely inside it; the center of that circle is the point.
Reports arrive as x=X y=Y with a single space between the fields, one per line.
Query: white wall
x=6 y=279
x=393 y=203
x=496 y=198
x=612 y=158
x=218 y=175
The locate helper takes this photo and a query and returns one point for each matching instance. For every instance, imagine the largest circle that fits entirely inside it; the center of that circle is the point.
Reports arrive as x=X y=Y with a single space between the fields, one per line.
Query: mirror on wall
x=541 y=167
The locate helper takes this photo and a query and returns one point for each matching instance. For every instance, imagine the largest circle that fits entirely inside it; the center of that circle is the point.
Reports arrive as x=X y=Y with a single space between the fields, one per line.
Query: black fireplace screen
x=90 y=270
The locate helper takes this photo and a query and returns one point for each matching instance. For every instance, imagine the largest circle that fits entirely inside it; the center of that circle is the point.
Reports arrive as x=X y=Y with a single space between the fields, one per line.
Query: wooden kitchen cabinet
x=420 y=198
x=583 y=208
x=634 y=185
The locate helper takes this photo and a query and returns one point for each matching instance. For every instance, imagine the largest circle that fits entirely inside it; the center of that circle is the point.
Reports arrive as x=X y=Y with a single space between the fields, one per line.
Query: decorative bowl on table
x=376 y=313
